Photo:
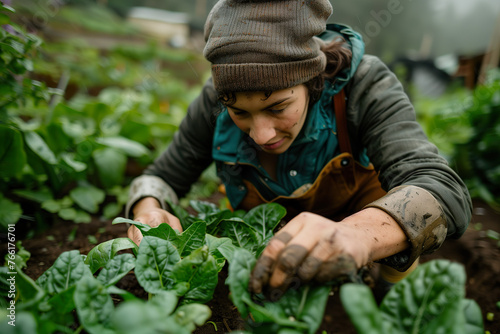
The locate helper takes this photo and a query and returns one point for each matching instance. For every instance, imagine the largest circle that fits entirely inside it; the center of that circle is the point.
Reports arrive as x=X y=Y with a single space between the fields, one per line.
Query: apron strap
x=340 y=116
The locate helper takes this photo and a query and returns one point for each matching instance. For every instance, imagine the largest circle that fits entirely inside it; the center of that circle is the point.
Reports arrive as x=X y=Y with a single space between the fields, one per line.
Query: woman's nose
x=262 y=131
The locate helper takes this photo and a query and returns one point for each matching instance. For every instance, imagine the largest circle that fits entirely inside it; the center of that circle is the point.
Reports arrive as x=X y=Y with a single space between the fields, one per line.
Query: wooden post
x=492 y=57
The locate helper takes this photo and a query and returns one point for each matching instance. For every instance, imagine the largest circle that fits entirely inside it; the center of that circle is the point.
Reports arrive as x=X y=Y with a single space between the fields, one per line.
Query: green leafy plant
x=180 y=273
x=429 y=300
x=16 y=49
x=178 y=269
x=243 y=237
x=86 y=283
x=297 y=311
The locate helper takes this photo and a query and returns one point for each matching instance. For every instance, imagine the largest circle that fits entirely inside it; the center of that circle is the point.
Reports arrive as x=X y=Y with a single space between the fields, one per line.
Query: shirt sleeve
x=171 y=175
x=425 y=196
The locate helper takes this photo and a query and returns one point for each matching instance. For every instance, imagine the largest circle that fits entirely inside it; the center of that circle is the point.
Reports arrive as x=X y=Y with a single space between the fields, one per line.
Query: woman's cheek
x=292 y=122
x=240 y=124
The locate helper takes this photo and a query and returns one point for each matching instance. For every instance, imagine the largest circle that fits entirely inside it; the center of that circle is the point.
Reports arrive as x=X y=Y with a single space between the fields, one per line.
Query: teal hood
x=354 y=41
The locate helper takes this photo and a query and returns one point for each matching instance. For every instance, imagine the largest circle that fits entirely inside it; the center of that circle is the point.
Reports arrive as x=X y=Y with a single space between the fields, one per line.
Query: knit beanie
x=265 y=45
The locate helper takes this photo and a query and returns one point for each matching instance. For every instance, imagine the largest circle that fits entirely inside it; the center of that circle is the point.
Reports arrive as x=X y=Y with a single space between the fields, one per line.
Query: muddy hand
x=309 y=247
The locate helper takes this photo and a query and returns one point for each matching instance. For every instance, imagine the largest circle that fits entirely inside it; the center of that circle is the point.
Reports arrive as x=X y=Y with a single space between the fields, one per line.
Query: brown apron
x=342 y=188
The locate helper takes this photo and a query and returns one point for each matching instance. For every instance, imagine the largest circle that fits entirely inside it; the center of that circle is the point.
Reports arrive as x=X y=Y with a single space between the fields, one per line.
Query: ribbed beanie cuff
x=265 y=45
x=266 y=77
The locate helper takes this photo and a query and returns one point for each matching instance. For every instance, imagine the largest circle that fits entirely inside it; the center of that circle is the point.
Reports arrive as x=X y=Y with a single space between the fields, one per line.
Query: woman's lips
x=275 y=145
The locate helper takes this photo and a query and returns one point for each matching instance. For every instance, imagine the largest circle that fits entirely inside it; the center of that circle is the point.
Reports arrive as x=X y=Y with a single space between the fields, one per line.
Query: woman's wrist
x=145 y=204
x=379 y=232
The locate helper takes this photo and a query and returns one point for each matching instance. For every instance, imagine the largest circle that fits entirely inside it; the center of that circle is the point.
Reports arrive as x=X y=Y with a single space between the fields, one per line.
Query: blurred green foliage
x=73 y=151
x=465 y=125
x=84 y=16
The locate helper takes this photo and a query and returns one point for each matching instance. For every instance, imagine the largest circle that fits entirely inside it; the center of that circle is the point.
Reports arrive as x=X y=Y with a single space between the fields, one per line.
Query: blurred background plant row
x=80 y=116
x=72 y=149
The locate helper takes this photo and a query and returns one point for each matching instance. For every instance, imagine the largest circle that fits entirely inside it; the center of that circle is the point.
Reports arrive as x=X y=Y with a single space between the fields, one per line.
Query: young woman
x=296 y=114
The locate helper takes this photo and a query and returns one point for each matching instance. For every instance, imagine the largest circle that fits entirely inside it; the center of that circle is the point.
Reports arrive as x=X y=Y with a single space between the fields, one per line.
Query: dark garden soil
x=479 y=254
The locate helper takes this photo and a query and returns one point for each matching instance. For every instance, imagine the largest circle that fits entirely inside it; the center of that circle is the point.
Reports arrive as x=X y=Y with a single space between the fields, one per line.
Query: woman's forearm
x=379 y=231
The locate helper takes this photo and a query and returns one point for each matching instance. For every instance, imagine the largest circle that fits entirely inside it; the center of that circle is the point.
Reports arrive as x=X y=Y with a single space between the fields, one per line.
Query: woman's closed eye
x=276 y=111
x=239 y=112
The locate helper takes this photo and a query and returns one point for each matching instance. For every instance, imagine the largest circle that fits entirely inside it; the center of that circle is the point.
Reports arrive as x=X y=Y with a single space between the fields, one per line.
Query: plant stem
x=213 y=324
x=303 y=300
x=78 y=330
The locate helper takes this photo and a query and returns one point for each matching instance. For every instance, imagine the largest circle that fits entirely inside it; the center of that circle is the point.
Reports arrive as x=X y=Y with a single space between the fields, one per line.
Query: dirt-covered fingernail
x=342 y=265
x=287 y=265
x=291 y=257
x=284 y=237
x=260 y=274
x=309 y=268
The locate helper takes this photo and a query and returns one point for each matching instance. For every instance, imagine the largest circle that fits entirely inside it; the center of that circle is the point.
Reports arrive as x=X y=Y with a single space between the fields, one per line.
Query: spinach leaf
x=242 y=235
x=214 y=244
x=116 y=269
x=429 y=300
x=88 y=197
x=99 y=256
x=240 y=267
x=163 y=231
x=113 y=290
x=63 y=302
x=125 y=145
x=110 y=164
x=66 y=271
x=158 y=316
x=204 y=208
x=311 y=309
x=25 y=323
x=11 y=212
x=12 y=154
x=359 y=303
x=432 y=295
x=273 y=313
x=298 y=311
x=39 y=146
x=473 y=317
x=188 y=316
x=213 y=220
x=185 y=218
x=94 y=306
x=200 y=271
x=155 y=261
x=264 y=218
x=191 y=239
x=139 y=317
x=29 y=292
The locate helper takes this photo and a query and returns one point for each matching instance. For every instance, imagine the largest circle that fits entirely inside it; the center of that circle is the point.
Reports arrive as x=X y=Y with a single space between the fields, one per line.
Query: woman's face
x=272 y=122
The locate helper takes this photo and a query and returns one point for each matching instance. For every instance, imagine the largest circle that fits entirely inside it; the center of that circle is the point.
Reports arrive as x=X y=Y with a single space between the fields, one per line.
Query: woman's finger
x=174 y=222
x=338 y=266
x=326 y=248
x=263 y=268
x=329 y=259
x=292 y=256
x=134 y=234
